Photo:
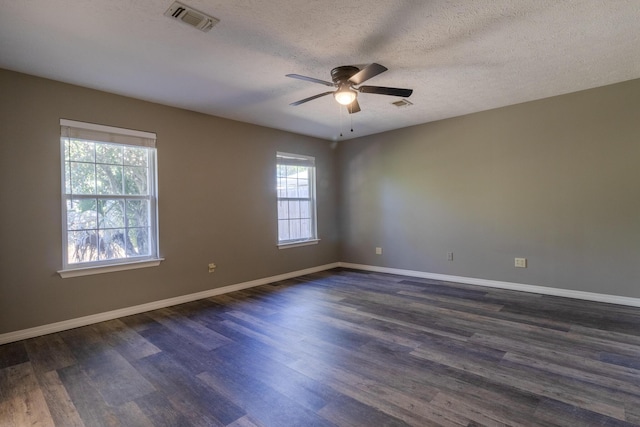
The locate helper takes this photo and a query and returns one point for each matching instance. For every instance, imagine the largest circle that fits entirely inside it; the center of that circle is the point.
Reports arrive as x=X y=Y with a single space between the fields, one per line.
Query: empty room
x=320 y=213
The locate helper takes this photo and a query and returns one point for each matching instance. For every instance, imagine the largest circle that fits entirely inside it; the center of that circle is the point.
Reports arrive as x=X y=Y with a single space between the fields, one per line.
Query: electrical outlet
x=212 y=267
x=521 y=262
x=449 y=256
x=378 y=251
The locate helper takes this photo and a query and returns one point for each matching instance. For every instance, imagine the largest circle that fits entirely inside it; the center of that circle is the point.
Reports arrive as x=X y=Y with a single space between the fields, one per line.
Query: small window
x=296 y=189
x=109 y=196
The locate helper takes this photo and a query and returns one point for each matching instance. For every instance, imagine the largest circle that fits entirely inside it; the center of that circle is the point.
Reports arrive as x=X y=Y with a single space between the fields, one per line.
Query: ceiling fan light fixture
x=346 y=78
x=345 y=96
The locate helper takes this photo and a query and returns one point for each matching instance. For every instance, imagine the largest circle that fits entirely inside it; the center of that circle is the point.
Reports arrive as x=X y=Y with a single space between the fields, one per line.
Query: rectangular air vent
x=190 y=16
x=402 y=103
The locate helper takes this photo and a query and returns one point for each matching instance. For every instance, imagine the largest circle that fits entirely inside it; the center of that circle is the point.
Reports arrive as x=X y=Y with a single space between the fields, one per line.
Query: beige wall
x=216 y=203
x=556 y=181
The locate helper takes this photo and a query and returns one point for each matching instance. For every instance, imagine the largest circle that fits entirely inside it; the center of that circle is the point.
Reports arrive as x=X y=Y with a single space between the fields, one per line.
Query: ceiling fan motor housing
x=343 y=74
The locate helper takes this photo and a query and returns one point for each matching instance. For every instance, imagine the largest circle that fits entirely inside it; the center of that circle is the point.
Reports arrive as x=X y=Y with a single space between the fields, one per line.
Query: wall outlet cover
x=521 y=262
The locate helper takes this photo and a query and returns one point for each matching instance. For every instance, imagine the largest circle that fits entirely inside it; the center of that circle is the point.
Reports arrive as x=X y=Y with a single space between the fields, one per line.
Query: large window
x=296 y=188
x=109 y=195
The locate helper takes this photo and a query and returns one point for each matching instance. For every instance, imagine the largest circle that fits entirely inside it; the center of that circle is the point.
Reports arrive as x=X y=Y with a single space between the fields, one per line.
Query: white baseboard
x=589 y=296
x=127 y=311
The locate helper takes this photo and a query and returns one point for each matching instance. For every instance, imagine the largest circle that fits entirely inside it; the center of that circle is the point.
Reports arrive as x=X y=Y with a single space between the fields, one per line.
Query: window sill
x=297 y=244
x=87 y=271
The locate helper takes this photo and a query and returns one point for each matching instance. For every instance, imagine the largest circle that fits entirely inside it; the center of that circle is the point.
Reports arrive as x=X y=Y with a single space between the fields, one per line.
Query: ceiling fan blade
x=310 y=79
x=393 y=91
x=311 y=98
x=354 y=107
x=367 y=72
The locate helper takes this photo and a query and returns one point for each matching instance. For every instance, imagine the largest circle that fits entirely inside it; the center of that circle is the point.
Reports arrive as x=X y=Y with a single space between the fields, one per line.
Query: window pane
x=303 y=187
x=83 y=178
x=282 y=187
x=111 y=244
x=67 y=148
x=111 y=213
x=305 y=229
x=67 y=178
x=110 y=154
x=81 y=151
x=135 y=156
x=82 y=246
x=137 y=213
x=305 y=209
x=292 y=187
x=109 y=179
x=294 y=209
x=283 y=210
x=135 y=180
x=283 y=230
x=81 y=214
x=294 y=229
x=291 y=170
x=138 y=243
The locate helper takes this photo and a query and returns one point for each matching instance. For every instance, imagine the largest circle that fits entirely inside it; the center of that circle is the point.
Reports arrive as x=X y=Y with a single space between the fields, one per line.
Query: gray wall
x=216 y=182
x=556 y=181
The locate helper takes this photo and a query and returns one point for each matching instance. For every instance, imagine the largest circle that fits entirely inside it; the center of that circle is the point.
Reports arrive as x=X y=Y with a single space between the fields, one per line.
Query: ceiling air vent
x=402 y=103
x=189 y=15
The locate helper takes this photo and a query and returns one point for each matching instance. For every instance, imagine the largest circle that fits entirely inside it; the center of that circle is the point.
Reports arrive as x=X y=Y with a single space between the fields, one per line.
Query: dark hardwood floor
x=337 y=348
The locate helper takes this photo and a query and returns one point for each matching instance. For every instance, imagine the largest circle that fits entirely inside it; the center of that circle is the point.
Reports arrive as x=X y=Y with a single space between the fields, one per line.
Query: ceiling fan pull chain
x=340 y=114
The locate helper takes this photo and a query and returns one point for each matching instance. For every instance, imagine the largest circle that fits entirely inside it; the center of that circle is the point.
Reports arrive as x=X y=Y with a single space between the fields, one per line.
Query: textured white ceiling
x=459 y=56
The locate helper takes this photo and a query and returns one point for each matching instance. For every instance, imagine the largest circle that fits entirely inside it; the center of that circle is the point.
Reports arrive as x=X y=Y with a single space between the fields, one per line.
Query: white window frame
x=71 y=129
x=283 y=158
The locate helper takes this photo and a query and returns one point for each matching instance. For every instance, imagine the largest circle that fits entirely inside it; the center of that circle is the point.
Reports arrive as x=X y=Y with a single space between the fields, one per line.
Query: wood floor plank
x=23 y=402
x=546 y=387
x=49 y=352
x=125 y=340
x=353 y=413
x=386 y=399
x=158 y=409
x=63 y=411
x=138 y=322
x=188 y=395
x=250 y=342
x=13 y=353
x=90 y=404
x=606 y=383
x=478 y=414
x=261 y=400
x=632 y=411
x=544 y=352
x=453 y=301
x=563 y=414
x=130 y=414
x=188 y=329
x=115 y=378
x=503 y=402
x=245 y=421
x=303 y=390
x=337 y=348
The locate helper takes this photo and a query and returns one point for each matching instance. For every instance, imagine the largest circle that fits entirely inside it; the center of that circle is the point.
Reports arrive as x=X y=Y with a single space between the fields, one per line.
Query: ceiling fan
x=346 y=78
